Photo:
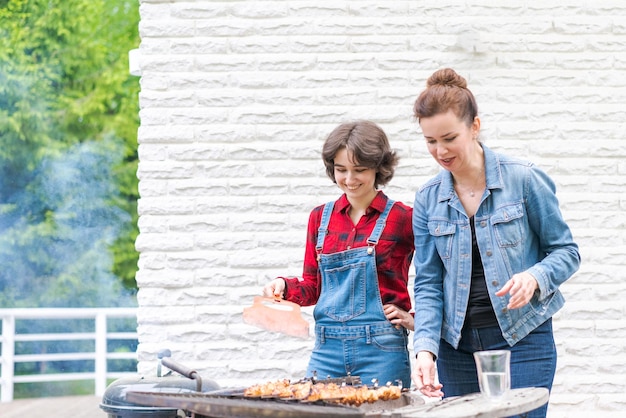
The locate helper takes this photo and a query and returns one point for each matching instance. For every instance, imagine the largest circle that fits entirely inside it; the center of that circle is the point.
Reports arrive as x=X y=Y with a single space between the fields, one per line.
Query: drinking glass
x=494 y=372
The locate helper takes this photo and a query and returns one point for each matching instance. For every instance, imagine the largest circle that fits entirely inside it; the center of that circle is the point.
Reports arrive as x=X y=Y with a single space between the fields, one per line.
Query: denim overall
x=352 y=334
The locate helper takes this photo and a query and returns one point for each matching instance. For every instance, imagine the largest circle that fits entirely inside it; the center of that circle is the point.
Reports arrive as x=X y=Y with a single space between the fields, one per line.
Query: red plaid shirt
x=394 y=251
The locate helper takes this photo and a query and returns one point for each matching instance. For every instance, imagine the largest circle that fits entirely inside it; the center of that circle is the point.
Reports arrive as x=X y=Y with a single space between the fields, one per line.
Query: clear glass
x=494 y=373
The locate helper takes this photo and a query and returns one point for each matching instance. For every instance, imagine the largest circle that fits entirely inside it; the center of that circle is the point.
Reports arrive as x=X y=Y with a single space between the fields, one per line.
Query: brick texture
x=238 y=96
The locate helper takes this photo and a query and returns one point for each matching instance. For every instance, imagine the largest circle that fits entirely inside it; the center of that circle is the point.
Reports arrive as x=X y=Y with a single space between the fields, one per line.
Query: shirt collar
x=379 y=203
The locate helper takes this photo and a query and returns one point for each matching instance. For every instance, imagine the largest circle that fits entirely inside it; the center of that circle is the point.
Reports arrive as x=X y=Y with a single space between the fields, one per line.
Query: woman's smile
x=356 y=181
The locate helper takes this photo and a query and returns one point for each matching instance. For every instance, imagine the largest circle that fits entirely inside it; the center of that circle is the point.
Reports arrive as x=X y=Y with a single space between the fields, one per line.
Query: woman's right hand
x=275 y=289
x=424 y=375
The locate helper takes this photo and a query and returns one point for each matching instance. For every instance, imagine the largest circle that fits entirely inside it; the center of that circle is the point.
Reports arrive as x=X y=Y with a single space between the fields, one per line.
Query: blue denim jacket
x=519 y=227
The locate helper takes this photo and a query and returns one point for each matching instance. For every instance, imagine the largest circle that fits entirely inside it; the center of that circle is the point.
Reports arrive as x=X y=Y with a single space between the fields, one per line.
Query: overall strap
x=323 y=228
x=380 y=224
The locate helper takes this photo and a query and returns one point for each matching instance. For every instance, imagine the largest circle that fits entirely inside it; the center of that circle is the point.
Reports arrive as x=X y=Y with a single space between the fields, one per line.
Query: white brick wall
x=237 y=97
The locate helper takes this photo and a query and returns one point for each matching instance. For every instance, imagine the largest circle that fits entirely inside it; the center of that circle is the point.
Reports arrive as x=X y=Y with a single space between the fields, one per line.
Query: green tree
x=68 y=152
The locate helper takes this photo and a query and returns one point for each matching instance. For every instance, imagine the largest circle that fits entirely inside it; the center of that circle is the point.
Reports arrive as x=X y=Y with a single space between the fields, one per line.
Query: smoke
x=56 y=232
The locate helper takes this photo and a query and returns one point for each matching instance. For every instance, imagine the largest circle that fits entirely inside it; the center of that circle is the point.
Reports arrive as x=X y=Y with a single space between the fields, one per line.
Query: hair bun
x=446 y=77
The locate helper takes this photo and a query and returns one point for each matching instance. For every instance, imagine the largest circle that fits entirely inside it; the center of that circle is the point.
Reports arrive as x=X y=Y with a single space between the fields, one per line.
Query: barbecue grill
x=229 y=404
x=173 y=396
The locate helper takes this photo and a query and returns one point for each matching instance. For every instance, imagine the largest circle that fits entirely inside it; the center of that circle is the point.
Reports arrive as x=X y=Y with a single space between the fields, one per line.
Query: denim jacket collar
x=492 y=173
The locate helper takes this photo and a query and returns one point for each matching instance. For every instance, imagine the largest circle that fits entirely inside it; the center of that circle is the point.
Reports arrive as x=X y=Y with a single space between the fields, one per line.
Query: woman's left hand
x=520 y=288
x=398 y=317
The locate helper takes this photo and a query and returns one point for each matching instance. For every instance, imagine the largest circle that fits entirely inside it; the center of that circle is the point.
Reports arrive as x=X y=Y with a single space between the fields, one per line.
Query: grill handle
x=165 y=359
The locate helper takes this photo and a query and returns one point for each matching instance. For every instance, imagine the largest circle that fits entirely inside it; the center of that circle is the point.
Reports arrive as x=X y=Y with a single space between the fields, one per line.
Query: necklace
x=471 y=189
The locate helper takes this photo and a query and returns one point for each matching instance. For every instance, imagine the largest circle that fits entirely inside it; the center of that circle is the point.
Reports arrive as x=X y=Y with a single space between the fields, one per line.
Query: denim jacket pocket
x=508 y=224
x=443 y=232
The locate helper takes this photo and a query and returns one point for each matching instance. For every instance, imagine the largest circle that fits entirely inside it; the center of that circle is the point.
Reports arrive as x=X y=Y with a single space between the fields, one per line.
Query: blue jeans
x=533 y=361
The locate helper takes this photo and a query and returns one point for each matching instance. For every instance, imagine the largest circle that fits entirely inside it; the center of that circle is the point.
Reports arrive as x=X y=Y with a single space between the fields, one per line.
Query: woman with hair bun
x=356 y=264
x=491 y=250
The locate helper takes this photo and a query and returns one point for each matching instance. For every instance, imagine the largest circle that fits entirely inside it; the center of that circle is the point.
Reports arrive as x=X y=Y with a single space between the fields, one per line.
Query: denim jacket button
x=495 y=283
x=489 y=253
x=504 y=310
x=483 y=223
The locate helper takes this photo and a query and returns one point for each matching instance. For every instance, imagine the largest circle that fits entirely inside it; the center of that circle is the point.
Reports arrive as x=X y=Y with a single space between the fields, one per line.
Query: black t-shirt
x=480 y=312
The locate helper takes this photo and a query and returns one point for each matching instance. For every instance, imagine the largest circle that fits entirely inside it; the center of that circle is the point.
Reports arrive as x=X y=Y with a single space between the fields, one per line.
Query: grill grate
x=231 y=406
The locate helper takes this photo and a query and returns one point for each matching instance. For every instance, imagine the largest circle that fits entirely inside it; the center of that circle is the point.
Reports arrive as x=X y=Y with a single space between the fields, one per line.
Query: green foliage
x=68 y=125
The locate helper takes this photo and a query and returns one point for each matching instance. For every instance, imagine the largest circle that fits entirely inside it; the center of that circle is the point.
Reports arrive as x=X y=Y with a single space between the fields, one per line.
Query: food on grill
x=328 y=392
x=267 y=389
x=280 y=389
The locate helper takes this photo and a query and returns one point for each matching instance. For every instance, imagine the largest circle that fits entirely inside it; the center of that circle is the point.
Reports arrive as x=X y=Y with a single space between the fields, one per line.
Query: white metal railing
x=100 y=355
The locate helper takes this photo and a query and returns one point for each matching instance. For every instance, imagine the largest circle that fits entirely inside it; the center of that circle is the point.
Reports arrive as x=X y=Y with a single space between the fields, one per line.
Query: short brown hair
x=368 y=145
x=446 y=90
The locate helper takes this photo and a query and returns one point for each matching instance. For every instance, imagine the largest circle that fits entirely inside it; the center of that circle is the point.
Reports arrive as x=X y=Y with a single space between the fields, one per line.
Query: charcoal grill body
x=116 y=404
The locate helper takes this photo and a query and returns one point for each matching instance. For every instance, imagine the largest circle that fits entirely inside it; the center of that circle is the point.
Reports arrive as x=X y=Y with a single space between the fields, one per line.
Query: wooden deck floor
x=55 y=407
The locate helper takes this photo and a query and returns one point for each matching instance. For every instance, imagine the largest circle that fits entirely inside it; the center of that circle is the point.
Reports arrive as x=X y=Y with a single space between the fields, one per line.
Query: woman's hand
x=520 y=288
x=399 y=317
x=424 y=375
x=275 y=289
